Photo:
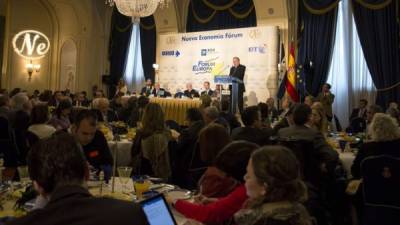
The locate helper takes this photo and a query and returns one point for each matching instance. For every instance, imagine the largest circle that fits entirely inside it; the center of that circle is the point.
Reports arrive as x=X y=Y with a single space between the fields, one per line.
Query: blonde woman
x=385 y=140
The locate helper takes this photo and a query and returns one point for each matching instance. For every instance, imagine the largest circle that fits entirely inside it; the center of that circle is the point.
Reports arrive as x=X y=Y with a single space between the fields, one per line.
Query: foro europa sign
x=31 y=44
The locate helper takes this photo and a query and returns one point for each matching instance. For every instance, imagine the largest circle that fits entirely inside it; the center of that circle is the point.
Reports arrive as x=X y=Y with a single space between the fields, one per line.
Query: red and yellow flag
x=291 y=76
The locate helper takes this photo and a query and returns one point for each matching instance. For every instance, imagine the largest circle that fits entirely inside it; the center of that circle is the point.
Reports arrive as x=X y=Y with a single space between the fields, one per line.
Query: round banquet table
x=175 y=109
x=9 y=211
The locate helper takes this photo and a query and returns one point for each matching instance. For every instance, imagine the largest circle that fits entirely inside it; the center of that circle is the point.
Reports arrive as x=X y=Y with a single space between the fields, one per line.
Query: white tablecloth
x=347 y=159
x=121 y=150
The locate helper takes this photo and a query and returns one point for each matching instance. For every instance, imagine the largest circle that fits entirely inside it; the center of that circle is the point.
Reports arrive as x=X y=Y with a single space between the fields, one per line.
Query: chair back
x=358 y=125
x=381 y=185
x=305 y=153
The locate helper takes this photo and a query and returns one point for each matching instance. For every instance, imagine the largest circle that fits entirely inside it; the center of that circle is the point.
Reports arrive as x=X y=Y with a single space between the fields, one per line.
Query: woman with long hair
x=150 y=149
x=274 y=188
x=318 y=120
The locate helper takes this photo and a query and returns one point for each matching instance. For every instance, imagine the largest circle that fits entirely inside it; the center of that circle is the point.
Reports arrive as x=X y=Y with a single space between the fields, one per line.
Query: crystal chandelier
x=137 y=8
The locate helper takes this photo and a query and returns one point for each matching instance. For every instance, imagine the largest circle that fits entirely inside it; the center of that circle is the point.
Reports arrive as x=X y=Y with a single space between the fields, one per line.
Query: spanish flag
x=291 y=76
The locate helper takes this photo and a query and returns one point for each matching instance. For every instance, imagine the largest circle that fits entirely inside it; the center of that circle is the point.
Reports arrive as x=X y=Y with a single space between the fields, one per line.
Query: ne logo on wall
x=31 y=44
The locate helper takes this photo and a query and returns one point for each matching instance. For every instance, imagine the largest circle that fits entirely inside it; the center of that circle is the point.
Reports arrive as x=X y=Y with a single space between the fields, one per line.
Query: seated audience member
x=253 y=130
x=56 y=99
x=207 y=90
x=206 y=101
x=148 y=89
x=299 y=131
x=216 y=211
x=393 y=105
x=385 y=140
x=286 y=103
x=99 y=94
x=81 y=100
x=318 y=120
x=59 y=171
x=45 y=96
x=190 y=92
x=275 y=190
x=103 y=106
x=116 y=102
x=394 y=113
x=93 y=142
x=121 y=87
x=361 y=111
x=60 y=120
x=39 y=119
x=142 y=103
x=150 y=151
x=372 y=110
x=211 y=115
x=273 y=113
x=3 y=91
x=265 y=119
x=228 y=116
x=185 y=148
x=129 y=105
x=286 y=121
x=160 y=92
x=212 y=139
x=35 y=97
x=14 y=91
x=19 y=114
x=4 y=105
x=309 y=100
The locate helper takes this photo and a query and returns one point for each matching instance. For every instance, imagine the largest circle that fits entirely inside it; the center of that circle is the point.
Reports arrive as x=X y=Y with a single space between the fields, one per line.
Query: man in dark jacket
x=58 y=170
x=253 y=131
x=237 y=71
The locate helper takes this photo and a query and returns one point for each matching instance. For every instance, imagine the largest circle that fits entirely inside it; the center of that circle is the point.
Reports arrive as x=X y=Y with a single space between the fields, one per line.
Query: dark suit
x=238 y=73
x=162 y=93
x=209 y=92
x=146 y=91
x=74 y=205
x=390 y=148
x=355 y=114
x=251 y=134
x=324 y=151
x=191 y=94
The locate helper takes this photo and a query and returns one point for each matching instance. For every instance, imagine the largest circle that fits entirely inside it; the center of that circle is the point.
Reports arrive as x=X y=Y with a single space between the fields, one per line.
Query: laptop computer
x=157 y=211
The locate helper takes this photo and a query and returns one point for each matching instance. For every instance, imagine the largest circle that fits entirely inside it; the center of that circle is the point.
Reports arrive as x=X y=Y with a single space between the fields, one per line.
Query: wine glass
x=23 y=175
x=124 y=173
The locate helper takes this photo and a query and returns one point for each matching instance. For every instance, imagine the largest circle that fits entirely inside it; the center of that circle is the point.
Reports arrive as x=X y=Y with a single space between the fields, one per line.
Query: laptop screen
x=157 y=211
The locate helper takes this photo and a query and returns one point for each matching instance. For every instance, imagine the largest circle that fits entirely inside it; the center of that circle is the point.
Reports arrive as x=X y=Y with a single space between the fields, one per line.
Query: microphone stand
x=116 y=140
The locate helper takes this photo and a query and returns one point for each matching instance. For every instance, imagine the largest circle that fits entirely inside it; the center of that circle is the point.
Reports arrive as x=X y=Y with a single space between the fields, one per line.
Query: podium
x=234 y=83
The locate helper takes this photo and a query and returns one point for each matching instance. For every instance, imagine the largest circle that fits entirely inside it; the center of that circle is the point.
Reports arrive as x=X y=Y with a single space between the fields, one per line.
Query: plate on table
x=179 y=194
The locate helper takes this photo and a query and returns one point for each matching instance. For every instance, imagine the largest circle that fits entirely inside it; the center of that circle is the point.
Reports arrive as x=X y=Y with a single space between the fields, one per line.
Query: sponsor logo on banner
x=204 y=66
x=258 y=49
x=208 y=51
x=255 y=34
x=171 y=53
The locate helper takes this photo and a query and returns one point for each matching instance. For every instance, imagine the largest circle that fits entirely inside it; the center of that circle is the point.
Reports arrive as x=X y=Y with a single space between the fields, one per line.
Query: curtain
x=121 y=31
x=148 y=37
x=220 y=14
x=317 y=26
x=120 y=42
x=348 y=74
x=378 y=25
x=133 y=74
